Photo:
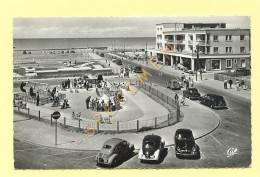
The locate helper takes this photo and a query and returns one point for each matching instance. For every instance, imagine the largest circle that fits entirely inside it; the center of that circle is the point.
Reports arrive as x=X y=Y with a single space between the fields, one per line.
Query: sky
x=108 y=27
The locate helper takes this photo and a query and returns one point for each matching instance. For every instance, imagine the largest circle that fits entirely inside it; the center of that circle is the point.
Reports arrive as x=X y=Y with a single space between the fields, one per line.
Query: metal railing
x=107 y=124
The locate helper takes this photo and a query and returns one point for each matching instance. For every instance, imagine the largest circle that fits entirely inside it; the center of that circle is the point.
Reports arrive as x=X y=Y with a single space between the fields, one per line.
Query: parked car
x=114 y=152
x=213 y=101
x=242 y=72
x=191 y=93
x=138 y=69
x=152 y=148
x=119 y=62
x=174 y=84
x=185 y=145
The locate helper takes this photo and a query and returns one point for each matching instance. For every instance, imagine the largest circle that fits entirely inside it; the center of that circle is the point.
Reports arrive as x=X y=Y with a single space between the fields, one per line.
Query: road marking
x=231 y=133
x=31 y=149
x=216 y=140
x=56 y=154
x=86 y=157
x=236 y=124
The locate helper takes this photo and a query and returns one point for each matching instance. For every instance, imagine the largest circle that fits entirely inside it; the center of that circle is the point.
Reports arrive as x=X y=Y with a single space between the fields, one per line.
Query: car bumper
x=187 y=153
x=143 y=157
x=102 y=161
x=194 y=97
x=220 y=107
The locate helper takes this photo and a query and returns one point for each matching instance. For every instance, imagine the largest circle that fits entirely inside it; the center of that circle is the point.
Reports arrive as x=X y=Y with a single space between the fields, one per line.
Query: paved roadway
x=233 y=132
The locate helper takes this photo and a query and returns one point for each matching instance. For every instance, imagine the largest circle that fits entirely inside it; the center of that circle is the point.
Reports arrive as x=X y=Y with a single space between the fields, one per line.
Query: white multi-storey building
x=220 y=48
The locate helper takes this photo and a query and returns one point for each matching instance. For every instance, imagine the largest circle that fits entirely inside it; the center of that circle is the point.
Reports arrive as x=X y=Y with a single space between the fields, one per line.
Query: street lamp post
x=198 y=63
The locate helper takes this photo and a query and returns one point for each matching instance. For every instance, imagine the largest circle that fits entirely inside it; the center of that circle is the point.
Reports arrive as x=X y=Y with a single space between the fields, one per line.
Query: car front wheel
x=115 y=162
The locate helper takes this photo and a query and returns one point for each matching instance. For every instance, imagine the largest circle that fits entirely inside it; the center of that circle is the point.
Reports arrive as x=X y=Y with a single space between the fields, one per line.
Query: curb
x=234 y=96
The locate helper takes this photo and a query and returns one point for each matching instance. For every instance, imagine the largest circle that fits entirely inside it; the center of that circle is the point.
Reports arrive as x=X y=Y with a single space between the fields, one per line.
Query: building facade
x=219 y=48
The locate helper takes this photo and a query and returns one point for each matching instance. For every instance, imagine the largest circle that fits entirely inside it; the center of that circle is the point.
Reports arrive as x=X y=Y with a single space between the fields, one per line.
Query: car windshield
x=148 y=144
x=184 y=136
x=193 y=91
x=107 y=146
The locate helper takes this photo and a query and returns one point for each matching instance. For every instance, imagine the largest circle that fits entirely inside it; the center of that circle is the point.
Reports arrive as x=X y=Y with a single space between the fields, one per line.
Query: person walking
x=87 y=102
x=68 y=83
x=237 y=85
x=37 y=99
x=225 y=84
x=230 y=83
x=176 y=97
x=87 y=85
x=242 y=84
x=187 y=84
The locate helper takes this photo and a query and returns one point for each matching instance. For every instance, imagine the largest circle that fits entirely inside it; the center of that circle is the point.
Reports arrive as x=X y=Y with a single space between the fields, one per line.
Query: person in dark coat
x=68 y=83
x=176 y=97
x=187 y=84
x=37 y=99
x=230 y=83
x=87 y=85
x=87 y=102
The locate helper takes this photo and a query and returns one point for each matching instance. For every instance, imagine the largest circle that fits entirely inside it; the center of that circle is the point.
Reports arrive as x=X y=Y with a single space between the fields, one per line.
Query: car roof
x=183 y=130
x=113 y=141
x=214 y=95
x=154 y=138
x=192 y=88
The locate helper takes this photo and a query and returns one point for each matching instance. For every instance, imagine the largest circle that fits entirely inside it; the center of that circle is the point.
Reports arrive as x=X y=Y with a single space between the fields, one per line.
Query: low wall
x=222 y=77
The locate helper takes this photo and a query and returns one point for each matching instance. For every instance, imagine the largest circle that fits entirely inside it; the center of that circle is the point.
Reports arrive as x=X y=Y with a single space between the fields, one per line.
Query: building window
x=215 y=49
x=243 y=63
x=229 y=63
x=235 y=61
x=215 y=38
x=228 y=37
x=242 y=37
x=242 y=50
x=228 y=49
x=216 y=64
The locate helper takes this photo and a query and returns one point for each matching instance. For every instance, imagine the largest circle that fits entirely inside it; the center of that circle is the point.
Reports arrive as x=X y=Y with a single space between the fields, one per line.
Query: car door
x=118 y=151
x=125 y=149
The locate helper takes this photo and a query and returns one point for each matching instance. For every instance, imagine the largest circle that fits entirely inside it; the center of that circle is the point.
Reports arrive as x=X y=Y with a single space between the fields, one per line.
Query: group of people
x=20 y=104
x=65 y=104
x=81 y=83
x=239 y=85
x=100 y=105
x=124 y=71
x=187 y=81
x=65 y=84
x=55 y=97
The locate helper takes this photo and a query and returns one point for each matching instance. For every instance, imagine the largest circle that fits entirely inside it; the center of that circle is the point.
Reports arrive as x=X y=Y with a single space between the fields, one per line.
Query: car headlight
x=178 y=149
x=194 y=148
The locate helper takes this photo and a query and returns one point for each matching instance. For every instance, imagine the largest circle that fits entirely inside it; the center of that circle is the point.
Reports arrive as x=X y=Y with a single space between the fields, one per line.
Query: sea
x=67 y=43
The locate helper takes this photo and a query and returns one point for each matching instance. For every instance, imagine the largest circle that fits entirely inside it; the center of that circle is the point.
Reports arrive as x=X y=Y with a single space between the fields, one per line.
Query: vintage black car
x=114 y=152
x=213 y=101
x=191 y=93
x=138 y=69
x=185 y=145
x=119 y=62
x=152 y=148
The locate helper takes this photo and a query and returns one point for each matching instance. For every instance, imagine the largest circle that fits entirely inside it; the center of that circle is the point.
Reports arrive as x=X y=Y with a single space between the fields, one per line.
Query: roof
x=214 y=95
x=113 y=141
x=155 y=138
x=184 y=130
